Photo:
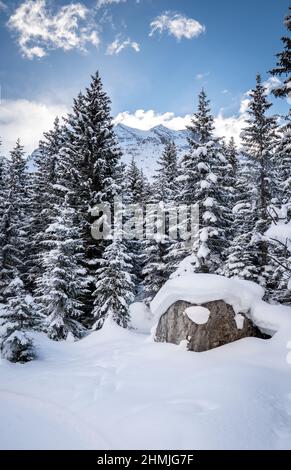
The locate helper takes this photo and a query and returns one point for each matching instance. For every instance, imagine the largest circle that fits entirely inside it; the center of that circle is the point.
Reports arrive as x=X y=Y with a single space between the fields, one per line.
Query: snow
x=199 y=315
x=117 y=389
x=141 y=318
x=281 y=232
x=244 y=296
x=239 y=319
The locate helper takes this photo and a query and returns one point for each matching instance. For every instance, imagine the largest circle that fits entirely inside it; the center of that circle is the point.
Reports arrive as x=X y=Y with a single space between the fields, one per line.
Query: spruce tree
x=283 y=65
x=242 y=255
x=44 y=196
x=17 y=319
x=204 y=171
x=92 y=158
x=63 y=281
x=259 y=140
x=13 y=225
x=114 y=286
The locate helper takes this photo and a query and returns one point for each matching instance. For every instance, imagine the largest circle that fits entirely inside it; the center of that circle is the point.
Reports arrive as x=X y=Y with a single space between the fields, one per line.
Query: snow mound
x=141 y=318
x=243 y=296
x=199 y=315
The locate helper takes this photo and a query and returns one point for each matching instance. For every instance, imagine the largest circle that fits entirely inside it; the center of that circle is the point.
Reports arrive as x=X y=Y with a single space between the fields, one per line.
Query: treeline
x=55 y=277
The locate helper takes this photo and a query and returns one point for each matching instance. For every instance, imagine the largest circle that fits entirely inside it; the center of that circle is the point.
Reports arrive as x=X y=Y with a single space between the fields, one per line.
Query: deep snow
x=117 y=389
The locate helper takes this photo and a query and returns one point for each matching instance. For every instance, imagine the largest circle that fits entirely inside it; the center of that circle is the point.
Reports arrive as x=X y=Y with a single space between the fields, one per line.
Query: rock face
x=205 y=327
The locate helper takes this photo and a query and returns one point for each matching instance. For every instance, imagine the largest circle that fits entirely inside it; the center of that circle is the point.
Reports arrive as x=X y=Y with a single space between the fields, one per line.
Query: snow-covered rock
x=204 y=327
x=245 y=297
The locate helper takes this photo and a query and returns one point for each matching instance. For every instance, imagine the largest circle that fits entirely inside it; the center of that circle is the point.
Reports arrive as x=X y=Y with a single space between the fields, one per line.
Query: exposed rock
x=219 y=327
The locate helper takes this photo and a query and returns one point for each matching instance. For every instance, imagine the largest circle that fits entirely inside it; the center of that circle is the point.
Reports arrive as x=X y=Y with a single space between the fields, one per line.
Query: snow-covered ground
x=117 y=389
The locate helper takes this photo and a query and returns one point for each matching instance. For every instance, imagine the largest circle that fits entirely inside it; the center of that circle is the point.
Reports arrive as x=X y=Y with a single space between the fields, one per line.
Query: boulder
x=205 y=326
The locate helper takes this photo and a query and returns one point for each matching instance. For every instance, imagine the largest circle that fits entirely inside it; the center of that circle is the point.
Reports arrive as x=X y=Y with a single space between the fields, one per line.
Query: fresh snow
x=244 y=296
x=117 y=389
x=199 y=315
x=239 y=319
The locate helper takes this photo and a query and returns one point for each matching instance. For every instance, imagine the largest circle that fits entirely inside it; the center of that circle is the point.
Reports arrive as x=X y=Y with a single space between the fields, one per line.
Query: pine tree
x=166 y=177
x=13 y=225
x=92 y=158
x=16 y=322
x=134 y=197
x=259 y=140
x=114 y=286
x=134 y=184
x=283 y=65
x=63 y=280
x=44 y=196
x=242 y=259
x=158 y=248
x=204 y=169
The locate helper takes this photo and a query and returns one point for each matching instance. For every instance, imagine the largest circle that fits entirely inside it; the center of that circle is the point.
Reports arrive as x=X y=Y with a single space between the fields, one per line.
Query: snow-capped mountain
x=147 y=146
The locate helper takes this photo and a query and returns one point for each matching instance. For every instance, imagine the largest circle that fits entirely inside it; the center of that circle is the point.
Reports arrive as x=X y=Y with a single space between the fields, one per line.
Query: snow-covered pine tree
x=165 y=183
x=13 y=225
x=134 y=191
x=63 y=281
x=134 y=196
x=242 y=256
x=44 y=195
x=283 y=66
x=17 y=320
x=204 y=171
x=3 y=192
x=114 y=285
x=93 y=163
x=259 y=140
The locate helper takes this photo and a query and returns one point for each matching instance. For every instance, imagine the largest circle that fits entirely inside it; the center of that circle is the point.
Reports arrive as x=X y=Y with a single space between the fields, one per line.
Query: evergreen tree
x=16 y=321
x=134 y=184
x=283 y=65
x=13 y=225
x=63 y=280
x=242 y=260
x=92 y=158
x=259 y=140
x=166 y=177
x=114 y=285
x=204 y=169
x=45 y=195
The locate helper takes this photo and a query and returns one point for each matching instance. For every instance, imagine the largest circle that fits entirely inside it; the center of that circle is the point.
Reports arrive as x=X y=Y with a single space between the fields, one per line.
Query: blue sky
x=152 y=54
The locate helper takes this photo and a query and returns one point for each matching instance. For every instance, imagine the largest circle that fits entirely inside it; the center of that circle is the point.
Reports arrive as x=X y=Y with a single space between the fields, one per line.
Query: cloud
x=117 y=46
x=200 y=76
x=102 y=3
x=177 y=25
x=39 y=30
x=3 y=6
x=145 y=120
x=26 y=120
x=271 y=84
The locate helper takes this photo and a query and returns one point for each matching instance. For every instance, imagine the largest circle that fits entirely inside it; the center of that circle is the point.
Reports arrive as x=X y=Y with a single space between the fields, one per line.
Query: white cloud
x=102 y=3
x=26 y=120
x=224 y=126
x=145 y=120
x=271 y=84
x=3 y=6
x=39 y=30
x=177 y=25
x=117 y=46
x=201 y=76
